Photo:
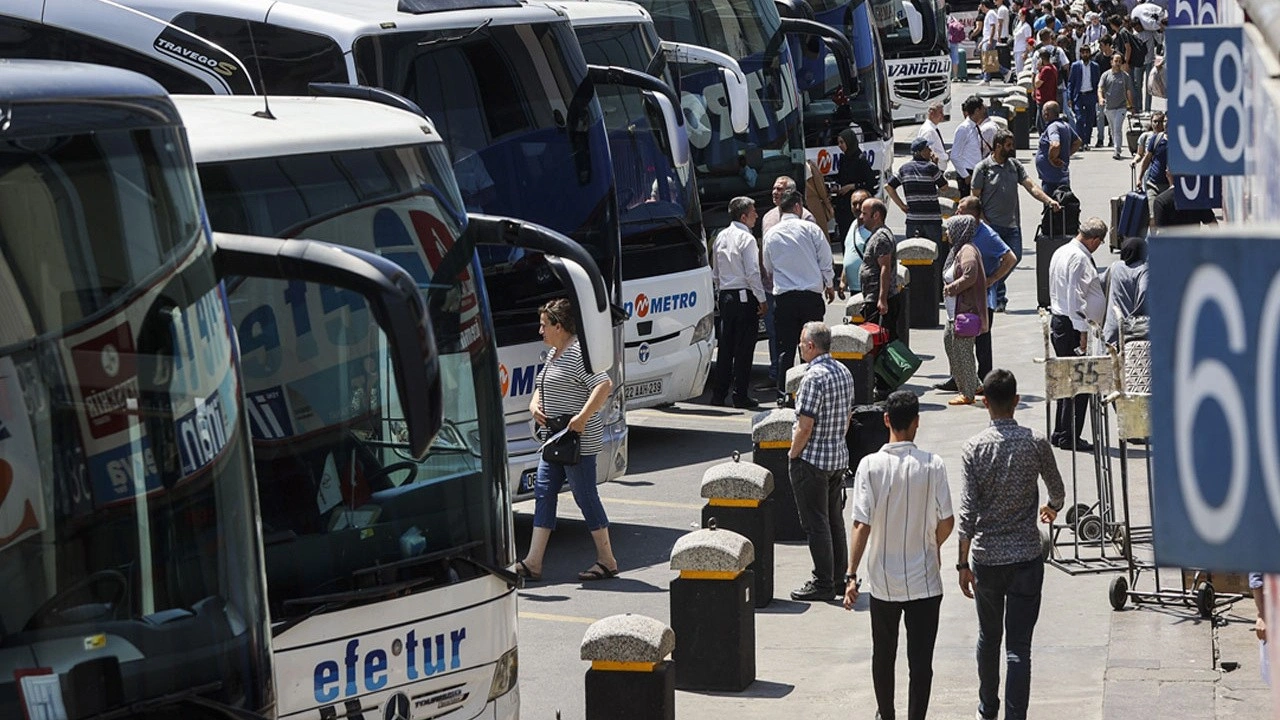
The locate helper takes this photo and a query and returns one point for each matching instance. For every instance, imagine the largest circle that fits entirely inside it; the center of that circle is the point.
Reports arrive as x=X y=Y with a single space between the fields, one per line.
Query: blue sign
x=1194 y=12
x=1215 y=400
x=1207 y=116
x=1197 y=192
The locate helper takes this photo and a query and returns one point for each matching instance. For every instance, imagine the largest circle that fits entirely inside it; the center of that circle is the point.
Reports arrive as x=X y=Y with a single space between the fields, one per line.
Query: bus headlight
x=702 y=331
x=612 y=412
x=505 y=675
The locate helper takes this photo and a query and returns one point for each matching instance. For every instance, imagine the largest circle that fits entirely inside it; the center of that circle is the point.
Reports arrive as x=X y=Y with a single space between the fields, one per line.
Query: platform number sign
x=1197 y=192
x=1194 y=12
x=1207 y=116
x=1215 y=349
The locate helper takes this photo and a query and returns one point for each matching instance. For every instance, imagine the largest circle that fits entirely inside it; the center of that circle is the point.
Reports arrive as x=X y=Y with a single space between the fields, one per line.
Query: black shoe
x=948 y=386
x=810 y=592
x=1081 y=445
x=746 y=403
x=1002 y=306
x=718 y=400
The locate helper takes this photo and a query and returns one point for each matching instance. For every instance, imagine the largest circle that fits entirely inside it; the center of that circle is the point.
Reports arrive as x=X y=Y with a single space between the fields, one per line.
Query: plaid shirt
x=826 y=395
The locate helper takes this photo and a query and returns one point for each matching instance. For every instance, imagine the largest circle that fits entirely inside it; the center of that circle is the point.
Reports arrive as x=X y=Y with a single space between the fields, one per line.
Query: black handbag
x=566 y=449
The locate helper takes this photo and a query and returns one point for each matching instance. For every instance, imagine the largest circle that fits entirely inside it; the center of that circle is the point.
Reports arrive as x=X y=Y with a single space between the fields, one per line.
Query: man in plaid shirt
x=819 y=458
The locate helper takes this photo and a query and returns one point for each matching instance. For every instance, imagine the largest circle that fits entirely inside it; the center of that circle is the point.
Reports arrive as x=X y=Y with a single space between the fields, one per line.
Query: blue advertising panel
x=1197 y=192
x=1206 y=87
x=1215 y=366
x=1193 y=12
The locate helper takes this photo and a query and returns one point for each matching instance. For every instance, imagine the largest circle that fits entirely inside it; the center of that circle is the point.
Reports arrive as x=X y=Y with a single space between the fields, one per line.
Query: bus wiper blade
x=188 y=696
x=442 y=39
x=436 y=556
x=337 y=601
x=512 y=580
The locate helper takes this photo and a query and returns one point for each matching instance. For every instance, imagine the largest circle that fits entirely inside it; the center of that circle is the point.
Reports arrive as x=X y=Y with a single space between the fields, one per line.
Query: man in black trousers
x=735 y=270
x=1075 y=298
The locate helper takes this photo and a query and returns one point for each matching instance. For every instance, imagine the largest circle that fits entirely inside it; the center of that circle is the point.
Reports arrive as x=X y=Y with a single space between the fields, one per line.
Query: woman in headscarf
x=1127 y=294
x=964 y=291
x=855 y=173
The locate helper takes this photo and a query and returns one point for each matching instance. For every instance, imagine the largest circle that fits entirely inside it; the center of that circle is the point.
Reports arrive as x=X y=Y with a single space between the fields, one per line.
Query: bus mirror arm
x=393 y=297
x=573 y=266
x=667 y=100
x=731 y=72
x=836 y=40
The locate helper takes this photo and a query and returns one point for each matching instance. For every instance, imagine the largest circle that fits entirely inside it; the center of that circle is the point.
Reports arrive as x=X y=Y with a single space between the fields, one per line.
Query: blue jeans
x=1008 y=602
x=582 y=483
x=1012 y=236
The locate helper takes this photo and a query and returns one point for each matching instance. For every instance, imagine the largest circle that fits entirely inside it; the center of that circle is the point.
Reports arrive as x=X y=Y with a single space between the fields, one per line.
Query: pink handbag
x=968 y=325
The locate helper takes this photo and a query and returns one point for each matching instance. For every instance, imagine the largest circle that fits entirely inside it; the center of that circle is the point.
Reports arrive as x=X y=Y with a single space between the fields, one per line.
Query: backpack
x=1139 y=54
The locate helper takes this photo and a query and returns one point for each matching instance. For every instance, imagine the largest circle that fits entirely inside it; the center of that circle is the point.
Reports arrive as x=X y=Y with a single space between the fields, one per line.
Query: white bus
x=914 y=36
x=368 y=549
x=666 y=279
x=506 y=85
x=130 y=546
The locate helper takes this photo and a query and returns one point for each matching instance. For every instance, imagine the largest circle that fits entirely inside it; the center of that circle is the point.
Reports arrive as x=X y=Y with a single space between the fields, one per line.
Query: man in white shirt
x=1075 y=298
x=901 y=517
x=930 y=131
x=781 y=186
x=972 y=141
x=797 y=255
x=735 y=271
x=991 y=35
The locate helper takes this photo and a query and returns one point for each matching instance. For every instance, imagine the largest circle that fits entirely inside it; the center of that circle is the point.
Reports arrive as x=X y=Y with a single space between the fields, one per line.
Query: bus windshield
x=345 y=508
x=516 y=111
x=895 y=29
x=130 y=564
x=749 y=32
x=850 y=17
x=657 y=202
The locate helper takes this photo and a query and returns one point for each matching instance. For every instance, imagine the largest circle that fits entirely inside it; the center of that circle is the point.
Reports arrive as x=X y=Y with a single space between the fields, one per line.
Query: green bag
x=896 y=364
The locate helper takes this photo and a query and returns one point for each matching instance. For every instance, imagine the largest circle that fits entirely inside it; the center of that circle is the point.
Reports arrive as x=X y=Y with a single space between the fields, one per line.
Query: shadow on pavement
x=570 y=550
x=778 y=606
x=757 y=689
x=655 y=449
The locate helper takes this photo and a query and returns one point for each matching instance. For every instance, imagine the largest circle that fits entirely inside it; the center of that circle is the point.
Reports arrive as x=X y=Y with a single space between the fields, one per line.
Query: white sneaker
x=985 y=81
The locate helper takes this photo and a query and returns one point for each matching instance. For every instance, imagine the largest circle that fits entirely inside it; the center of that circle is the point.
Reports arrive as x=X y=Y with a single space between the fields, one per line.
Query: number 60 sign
x=1207 y=116
x=1215 y=347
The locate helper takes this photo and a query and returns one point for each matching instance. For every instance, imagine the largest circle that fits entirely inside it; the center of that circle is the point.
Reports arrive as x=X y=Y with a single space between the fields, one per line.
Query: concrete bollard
x=794 y=375
x=1021 y=118
x=771 y=441
x=738 y=499
x=853 y=309
x=903 y=329
x=712 y=611
x=920 y=256
x=851 y=346
x=630 y=677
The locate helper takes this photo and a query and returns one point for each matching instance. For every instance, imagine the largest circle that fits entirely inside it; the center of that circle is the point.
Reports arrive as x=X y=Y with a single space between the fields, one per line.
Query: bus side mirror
x=735 y=81
x=915 y=21
x=677 y=136
x=393 y=298
x=574 y=268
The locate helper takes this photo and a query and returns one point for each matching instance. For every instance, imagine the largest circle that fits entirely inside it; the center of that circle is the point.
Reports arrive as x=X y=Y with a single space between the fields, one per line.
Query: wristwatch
x=850 y=578
x=962 y=566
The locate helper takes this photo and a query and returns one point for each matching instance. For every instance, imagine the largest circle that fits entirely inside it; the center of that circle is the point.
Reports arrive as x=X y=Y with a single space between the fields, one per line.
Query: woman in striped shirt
x=565 y=387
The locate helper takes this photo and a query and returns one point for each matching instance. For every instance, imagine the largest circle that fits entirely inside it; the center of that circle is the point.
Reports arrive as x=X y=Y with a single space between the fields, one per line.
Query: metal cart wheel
x=1046 y=546
x=1120 y=538
x=1090 y=528
x=1205 y=599
x=1077 y=511
x=1118 y=593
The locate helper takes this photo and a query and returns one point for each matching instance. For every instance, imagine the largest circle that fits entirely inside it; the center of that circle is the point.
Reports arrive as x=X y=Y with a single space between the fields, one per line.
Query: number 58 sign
x=1207 y=117
x=1215 y=350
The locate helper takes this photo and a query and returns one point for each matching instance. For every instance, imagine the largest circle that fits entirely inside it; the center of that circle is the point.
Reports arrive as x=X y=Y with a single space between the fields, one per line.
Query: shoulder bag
x=560 y=444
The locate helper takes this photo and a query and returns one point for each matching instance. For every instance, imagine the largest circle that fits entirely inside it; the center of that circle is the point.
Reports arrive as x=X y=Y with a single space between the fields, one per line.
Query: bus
x=729 y=163
x=367 y=548
x=130 y=547
x=666 y=279
x=914 y=36
x=505 y=83
x=868 y=108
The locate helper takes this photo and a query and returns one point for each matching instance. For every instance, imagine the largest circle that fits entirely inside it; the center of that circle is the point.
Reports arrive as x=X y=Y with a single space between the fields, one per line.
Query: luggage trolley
x=1094 y=531
x=1133 y=425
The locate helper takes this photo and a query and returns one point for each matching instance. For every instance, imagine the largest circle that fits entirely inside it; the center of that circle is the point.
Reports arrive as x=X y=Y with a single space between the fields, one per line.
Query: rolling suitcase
x=1131 y=218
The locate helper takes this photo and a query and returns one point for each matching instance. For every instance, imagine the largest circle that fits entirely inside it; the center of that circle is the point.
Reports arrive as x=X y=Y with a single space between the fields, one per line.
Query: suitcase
x=1133 y=216
x=867 y=432
x=1117 y=204
x=896 y=364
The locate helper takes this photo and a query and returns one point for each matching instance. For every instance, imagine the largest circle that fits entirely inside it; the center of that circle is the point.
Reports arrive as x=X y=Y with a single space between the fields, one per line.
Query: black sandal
x=523 y=571
x=597 y=572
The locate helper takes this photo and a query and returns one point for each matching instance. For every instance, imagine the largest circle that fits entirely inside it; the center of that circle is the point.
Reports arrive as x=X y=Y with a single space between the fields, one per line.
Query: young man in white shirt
x=735 y=271
x=901 y=517
x=932 y=134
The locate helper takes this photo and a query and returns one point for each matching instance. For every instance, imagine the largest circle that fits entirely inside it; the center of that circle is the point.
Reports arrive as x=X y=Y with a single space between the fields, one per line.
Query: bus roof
x=602 y=12
x=27 y=80
x=225 y=128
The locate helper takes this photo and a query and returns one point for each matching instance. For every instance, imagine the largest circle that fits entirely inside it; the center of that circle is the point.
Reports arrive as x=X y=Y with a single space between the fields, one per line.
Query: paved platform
x=813 y=660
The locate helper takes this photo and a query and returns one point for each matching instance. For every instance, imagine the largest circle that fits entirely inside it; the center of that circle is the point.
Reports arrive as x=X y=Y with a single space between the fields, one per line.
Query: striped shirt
x=902 y=493
x=920 y=181
x=826 y=395
x=565 y=385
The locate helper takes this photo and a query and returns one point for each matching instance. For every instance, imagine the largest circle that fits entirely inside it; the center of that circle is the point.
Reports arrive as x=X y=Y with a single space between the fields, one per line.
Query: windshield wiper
x=189 y=696
x=337 y=601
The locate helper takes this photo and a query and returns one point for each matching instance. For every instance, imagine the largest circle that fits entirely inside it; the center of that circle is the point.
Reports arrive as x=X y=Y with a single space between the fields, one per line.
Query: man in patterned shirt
x=819 y=458
x=998 y=523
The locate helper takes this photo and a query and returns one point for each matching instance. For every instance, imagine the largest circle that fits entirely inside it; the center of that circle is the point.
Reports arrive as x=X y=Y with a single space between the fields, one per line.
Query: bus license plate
x=643 y=389
x=527 y=478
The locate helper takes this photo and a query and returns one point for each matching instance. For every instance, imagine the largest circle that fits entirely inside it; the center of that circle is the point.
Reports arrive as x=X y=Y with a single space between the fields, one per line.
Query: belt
x=739 y=294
